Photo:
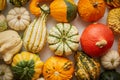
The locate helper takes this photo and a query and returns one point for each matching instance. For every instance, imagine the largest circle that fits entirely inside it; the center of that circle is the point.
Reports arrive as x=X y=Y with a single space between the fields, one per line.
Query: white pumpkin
x=18 y=18
x=5 y=73
x=111 y=59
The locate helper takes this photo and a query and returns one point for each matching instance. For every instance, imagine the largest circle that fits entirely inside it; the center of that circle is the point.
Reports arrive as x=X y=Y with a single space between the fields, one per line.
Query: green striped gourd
x=35 y=35
x=87 y=68
x=63 y=39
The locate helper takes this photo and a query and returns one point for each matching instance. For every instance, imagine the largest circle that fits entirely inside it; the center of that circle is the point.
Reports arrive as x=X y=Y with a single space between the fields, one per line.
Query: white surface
x=81 y=25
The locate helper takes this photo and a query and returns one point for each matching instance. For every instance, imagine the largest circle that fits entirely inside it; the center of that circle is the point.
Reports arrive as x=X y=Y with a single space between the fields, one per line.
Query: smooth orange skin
x=94 y=33
x=88 y=12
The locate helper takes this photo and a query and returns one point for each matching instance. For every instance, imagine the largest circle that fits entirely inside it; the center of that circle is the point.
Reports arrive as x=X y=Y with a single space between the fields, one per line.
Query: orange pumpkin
x=96 y=39
x=34 y=8
x=58 y=68
x=91 y=10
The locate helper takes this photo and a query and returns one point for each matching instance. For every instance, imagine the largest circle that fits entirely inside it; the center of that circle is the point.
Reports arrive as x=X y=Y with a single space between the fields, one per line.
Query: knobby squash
x=35 y=35
x=63 y=39
x=91 y=10
x=87 y=68
x=10 y=44
x=63 y=10
x=58 y=68
x=26 y=66
x=113 y=20
x=34 y=6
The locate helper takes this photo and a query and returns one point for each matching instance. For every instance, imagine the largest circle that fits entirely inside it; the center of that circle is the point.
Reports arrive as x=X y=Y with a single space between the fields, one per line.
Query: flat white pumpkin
x=111 y=59
x=18 y=18
x=5 y=73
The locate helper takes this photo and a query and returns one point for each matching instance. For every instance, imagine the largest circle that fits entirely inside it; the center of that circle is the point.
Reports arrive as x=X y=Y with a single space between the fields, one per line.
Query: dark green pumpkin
x=63 y=10
x=110 y=75
x=19 y=3
x=87 y=68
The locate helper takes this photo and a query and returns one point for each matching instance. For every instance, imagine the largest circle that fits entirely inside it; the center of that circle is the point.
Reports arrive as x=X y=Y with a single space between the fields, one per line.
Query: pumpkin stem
x=45 y=8
x=2 y=73
x=95 y=4
x=112 y=61
x=101 y=43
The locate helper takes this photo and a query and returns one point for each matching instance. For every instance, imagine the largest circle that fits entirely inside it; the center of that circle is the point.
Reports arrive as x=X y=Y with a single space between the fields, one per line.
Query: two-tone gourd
x=26 y=66
x=87 y=68
x=63 y=10
x=35 y=35
x=63 y=38
x=18 y=18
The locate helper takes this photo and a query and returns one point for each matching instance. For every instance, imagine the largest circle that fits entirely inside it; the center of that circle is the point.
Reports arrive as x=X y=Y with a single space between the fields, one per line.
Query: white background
x=81 y=25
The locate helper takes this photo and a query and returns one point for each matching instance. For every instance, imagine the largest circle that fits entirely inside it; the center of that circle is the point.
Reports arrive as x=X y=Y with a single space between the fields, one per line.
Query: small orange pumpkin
x=58 y=68
x=91 y=10
x=96 y=39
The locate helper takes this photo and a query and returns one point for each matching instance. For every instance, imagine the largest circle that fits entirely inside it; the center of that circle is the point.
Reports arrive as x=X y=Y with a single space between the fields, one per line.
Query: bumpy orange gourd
x=58 y=68
x=34 y=6
x=91 y=10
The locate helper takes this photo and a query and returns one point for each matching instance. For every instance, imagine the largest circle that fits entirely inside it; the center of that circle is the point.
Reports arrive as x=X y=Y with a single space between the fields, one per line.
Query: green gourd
x=87 y=68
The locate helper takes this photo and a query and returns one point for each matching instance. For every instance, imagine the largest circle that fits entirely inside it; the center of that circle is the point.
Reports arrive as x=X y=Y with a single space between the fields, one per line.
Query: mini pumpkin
x=111 y=59
x=58 y=68
x=87 y=68
x=5 y=72
x=63 y=39
x=27 y=66
x=63 y=10
x=96 y=39
x=18 y=18
x=91 y=10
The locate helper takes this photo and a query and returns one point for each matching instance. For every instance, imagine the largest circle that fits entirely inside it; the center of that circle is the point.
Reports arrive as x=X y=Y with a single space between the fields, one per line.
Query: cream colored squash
x=10 y=44
x=111 y=59
x=5 y=72
x=34 y=37
x=18 y=18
